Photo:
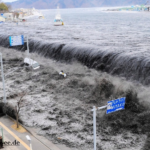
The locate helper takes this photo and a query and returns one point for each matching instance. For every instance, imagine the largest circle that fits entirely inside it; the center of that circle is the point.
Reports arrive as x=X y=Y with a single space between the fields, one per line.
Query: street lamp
x=2 y=73
x=29 y=139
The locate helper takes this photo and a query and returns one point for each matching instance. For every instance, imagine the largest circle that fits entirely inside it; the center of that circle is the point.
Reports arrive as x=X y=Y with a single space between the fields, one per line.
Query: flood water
x=114 y=42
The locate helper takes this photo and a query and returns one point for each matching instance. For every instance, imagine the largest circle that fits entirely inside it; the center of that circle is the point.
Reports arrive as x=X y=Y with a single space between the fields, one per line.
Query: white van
x=32 y=63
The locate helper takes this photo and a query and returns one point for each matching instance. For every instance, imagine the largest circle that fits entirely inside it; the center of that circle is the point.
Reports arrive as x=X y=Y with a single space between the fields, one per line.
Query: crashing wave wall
x=131 y=65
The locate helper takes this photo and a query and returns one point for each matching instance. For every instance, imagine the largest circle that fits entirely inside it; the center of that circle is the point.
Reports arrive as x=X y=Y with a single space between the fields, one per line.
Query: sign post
x=19 y=40
x=112 y=106
x=27 y=47
x=115 y=105
x=27 y=51
x=94 y=126
x=16 y=40
x=2 y=73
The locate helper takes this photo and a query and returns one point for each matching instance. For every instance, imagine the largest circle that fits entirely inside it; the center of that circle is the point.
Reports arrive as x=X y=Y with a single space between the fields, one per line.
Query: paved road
x=10 y=135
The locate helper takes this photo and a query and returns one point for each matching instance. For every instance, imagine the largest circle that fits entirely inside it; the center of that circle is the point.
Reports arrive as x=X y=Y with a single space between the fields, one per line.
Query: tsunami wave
x=131 y=65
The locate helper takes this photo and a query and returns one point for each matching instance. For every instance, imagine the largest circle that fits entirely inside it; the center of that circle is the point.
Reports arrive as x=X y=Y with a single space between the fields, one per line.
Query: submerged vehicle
x=58 y=20
x=32 y=63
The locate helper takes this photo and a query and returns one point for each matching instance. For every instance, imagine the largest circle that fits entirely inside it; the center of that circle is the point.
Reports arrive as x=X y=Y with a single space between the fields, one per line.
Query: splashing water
x=114 y=42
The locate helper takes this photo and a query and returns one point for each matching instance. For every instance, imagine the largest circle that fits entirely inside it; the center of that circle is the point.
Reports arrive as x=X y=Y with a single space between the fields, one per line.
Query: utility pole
x=2 y=73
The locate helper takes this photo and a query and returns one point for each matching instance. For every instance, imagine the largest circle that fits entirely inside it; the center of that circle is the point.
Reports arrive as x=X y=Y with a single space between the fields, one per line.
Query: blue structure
x=16 y=40
x=115 y=105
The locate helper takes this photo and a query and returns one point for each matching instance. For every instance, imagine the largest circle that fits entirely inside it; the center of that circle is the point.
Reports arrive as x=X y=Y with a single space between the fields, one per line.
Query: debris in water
x=62 y=73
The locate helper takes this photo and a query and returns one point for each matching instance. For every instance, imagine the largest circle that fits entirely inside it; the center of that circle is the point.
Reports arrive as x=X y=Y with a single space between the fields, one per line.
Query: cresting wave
x=131 y=65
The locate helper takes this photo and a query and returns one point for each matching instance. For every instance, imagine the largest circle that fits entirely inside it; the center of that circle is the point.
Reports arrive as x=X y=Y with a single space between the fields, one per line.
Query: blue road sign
x=115 y=105
x=16 y=40
x=2 y=14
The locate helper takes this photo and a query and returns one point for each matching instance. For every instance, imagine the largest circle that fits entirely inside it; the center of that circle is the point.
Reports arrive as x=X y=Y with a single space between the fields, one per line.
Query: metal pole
x=27 y=47
x=2 y=73
x=102 y=107
x=94 y=126
x=94 y=122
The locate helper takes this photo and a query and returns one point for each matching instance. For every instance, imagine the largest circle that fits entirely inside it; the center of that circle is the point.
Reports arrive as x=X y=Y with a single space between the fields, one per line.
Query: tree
x=3 y=7
x=20 y=103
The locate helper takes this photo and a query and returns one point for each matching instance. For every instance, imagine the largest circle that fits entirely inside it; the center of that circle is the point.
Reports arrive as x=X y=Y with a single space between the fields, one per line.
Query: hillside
x=47 y=4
